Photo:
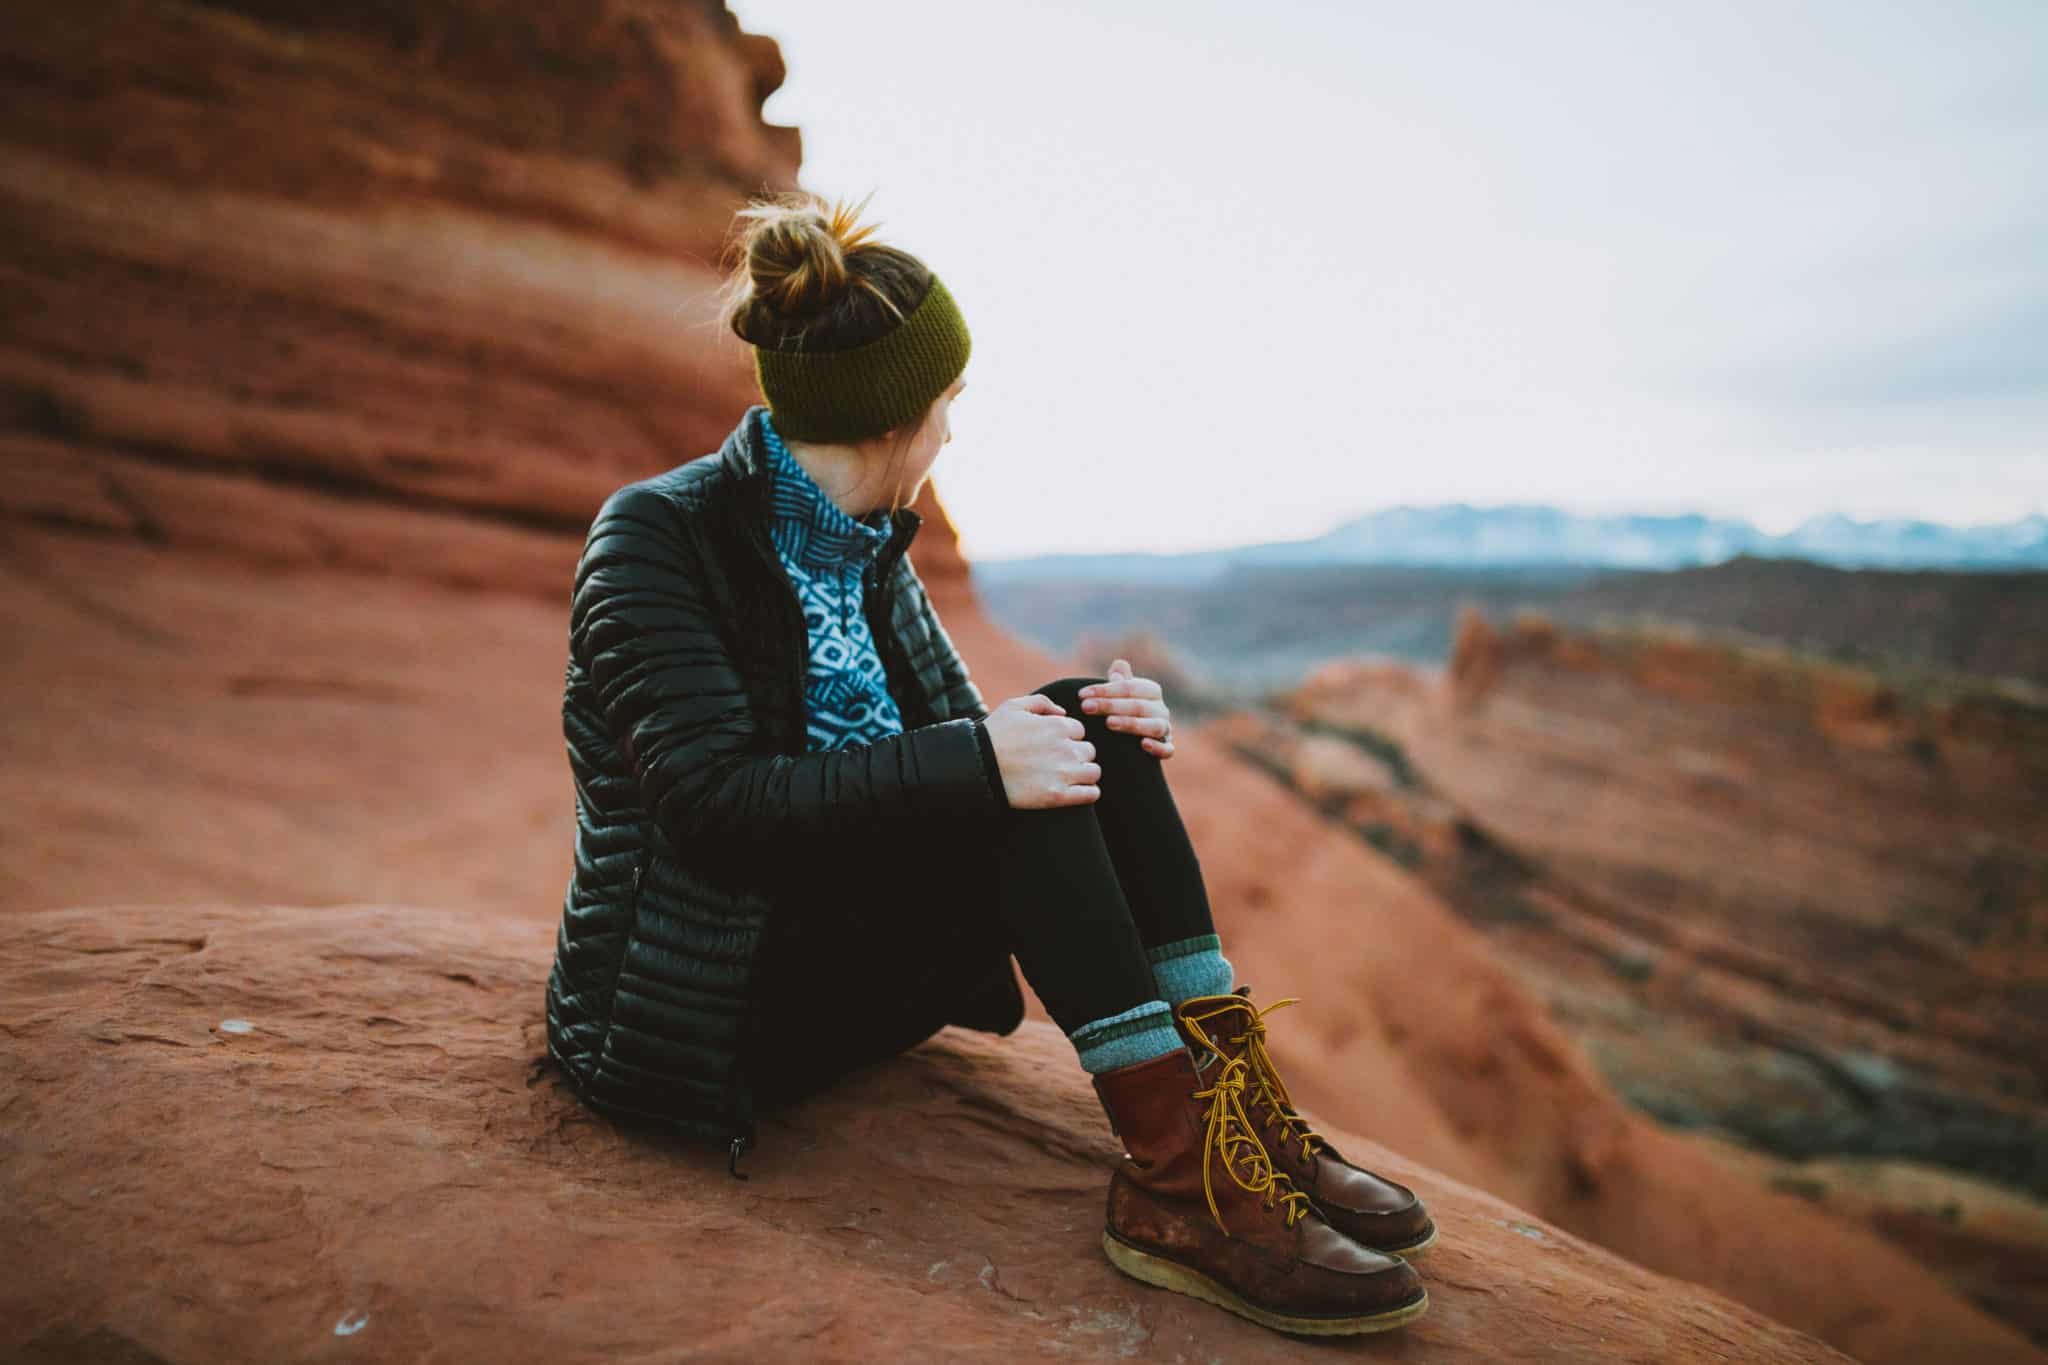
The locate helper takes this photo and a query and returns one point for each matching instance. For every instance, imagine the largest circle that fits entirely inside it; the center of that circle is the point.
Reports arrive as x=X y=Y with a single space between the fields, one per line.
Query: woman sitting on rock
x=804 y=844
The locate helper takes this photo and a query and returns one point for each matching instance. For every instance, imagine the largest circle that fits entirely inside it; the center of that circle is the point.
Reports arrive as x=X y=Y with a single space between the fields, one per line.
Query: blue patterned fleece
x=825 y=552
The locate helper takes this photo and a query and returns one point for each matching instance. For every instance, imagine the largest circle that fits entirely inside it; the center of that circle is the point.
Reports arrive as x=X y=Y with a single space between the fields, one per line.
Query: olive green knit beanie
x=863 y=391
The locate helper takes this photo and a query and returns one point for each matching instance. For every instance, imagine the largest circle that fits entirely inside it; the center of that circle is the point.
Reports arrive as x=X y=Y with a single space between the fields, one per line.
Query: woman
x=805 y=844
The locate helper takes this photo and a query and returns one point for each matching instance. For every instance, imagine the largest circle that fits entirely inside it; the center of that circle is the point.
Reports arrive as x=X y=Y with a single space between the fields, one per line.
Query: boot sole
x=1411 y=1251
x=1157 y=1270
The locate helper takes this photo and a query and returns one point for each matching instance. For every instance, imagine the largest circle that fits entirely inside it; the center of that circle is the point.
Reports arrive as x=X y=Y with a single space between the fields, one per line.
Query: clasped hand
x=1045 y=754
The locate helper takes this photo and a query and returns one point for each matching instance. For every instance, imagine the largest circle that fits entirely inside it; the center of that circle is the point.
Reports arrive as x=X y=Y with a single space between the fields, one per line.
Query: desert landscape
x=1699 y=990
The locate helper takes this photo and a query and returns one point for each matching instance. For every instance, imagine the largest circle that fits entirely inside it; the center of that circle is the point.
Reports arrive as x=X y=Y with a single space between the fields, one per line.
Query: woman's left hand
x=1131 y=704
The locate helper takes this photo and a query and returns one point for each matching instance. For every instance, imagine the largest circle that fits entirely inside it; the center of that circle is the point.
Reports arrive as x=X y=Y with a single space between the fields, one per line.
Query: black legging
x=1085 y=890
x=1078 y=892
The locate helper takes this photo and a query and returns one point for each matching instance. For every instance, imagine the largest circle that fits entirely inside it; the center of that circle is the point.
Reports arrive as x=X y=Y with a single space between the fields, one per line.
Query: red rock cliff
x=1776 y=897
x=405 y=288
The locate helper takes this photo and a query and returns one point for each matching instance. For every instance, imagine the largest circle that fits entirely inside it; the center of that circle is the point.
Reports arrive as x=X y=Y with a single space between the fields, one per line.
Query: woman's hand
x=1044 y=754
x=1130 y=703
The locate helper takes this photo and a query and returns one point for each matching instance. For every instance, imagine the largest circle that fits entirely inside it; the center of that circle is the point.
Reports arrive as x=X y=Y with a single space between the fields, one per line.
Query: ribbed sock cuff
x=1136 y=1035
x=1191 y=967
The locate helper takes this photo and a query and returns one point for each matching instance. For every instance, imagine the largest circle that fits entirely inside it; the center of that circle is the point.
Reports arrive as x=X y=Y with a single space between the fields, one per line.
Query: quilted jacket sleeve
x=958 y=695
x=674 y=700
x=961 y=696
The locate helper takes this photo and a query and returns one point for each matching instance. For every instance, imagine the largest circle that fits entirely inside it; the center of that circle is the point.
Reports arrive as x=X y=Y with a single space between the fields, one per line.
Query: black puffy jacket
x=684 y=712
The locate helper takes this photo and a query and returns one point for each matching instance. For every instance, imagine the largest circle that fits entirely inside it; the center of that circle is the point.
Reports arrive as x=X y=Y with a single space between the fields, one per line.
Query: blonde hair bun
x=796 y=247
x=806 y=274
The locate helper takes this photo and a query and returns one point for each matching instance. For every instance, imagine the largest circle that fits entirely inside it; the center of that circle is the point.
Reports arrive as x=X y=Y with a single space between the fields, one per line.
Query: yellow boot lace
x=1270 y=1091
x=1231 y=1132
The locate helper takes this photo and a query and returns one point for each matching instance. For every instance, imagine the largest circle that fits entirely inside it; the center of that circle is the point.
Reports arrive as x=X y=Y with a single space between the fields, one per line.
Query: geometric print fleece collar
x=806 y=526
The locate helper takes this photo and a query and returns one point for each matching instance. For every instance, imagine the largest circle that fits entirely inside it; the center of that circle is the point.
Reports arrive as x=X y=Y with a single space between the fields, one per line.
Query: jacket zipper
x=744 y=1132
x=632 y=922
x=794 y=613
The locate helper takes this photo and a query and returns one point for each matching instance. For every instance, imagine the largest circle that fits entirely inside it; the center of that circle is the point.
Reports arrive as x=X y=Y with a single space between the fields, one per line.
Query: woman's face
x=918 y=462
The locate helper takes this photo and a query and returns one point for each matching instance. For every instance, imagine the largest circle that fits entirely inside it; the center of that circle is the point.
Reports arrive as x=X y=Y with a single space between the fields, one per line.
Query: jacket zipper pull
x=744 y=1129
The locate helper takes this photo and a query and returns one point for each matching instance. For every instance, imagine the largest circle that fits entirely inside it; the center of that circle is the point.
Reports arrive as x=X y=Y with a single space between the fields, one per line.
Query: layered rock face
x=1775 y=898
x=325 y=332
x=398 y=288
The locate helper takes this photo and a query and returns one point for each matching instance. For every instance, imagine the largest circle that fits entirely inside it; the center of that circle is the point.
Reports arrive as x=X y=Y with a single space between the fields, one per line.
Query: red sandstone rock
x=409 y=744
x=368 y=691
x=1773 y=895
x=278 y=1133
x=455 y=269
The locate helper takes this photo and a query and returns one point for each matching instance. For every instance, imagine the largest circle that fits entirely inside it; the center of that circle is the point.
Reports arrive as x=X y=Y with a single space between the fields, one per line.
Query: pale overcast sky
x=1240 y=272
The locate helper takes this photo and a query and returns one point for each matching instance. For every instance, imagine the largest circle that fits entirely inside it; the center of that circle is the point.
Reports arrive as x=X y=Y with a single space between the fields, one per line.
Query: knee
x=1107 y=742
x=1066 y=691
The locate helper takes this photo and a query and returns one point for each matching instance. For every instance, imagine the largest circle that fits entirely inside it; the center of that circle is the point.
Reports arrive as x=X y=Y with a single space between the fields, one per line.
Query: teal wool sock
x=1136 y=1035
x=1191 y=967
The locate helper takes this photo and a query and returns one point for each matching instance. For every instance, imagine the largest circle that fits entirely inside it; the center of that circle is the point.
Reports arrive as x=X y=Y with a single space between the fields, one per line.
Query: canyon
x=1779 y=900
x=325 y=333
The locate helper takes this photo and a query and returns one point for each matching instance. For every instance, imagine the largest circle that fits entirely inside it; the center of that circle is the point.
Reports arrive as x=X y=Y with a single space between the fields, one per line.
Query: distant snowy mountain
x=1464 y=536
x=1460 y=535
x=1917 y=544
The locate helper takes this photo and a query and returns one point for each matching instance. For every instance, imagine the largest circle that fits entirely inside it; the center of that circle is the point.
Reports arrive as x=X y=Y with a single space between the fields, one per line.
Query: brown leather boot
x=1369 y=1208
x=1196 y=1207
